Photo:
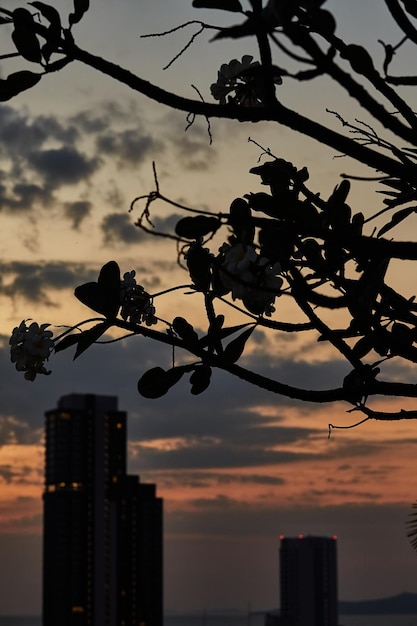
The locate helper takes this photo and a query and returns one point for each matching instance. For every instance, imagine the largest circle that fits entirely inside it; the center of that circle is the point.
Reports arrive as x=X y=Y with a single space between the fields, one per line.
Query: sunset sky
x=237 y=467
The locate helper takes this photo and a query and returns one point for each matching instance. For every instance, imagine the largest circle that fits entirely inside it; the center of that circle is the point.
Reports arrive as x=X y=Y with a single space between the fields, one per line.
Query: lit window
x=119 y=425
x=77 y=609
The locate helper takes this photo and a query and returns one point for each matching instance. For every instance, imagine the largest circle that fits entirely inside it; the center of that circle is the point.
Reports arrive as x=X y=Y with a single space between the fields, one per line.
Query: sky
x=237 y=467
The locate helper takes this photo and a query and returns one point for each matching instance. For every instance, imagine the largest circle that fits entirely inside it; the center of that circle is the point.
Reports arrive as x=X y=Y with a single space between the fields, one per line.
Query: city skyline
x=236 y=467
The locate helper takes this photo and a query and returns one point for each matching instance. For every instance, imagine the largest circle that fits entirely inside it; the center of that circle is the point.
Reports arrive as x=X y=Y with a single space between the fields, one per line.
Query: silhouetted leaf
x=104 y=295
x=264 y=202
x=325 y=21
x=397 y=218
x=24 y=36
x=196 y=227
x=200 y=379
x=240 y=219
x=355 y=383
x=362 y=347
x=185 y=330
x=233 y=351
x=90 y=336
x=80 y=7
x=402 y=334
x=49 y=13
x=396 y=183
x=153 y=384
x=199 y=264
x=359 y=58
x=225 y=5
x=17 y=82
x=220 y=333
x=156 y=382
x=67 y=342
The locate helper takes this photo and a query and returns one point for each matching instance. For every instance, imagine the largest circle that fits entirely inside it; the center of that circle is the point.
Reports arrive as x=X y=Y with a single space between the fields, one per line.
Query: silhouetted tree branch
x=288 y=242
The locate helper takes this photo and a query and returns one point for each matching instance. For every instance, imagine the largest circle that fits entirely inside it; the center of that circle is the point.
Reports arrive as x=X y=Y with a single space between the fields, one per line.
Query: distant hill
x=403 y=603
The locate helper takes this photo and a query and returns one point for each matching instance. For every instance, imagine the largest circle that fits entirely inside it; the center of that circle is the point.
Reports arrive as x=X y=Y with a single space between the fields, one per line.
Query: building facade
x=102 y=543
x=308 y=581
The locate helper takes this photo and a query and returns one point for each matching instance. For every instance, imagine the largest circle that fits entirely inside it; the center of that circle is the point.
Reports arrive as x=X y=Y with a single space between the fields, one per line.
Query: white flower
x=129 y=281
x=250 y=277
x=231 y=78
x=241 y=79
x=30 y=347
x=137 y=304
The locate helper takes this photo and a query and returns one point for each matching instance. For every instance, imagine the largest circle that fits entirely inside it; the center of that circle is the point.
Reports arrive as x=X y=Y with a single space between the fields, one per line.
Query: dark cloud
x=192 y=146
x=63 y=166
x=40 y=154
x=130 y=146
x=197 y=480
x=14 y=430
x=24 y=196
x=33 y=281
x=77 y=211
x=119 y=227
x=22 y=475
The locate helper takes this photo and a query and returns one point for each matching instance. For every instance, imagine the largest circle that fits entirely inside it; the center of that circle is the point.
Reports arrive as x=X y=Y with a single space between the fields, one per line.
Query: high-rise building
x=308 y=568
x=102 y=544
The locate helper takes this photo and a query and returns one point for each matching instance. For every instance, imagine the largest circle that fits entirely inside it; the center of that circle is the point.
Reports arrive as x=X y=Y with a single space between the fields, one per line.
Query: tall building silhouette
x=308 y=577
x=102 y=542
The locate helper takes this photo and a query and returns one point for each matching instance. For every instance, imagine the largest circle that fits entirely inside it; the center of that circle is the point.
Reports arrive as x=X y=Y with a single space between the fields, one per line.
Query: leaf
x=17 y=82
x=233 y=351
x=49 y=13
x=402 y=334
x=24 y=36
x=397 y=218
x=240 y=219
x=185 y=330
x=104 y=295
x=156 y=382
x=363 y=347
x=359 y=58
x=200 y=379
x=325 y=20
x=223 y=333
x=109 y=283
x=199 y=264
x=80 y=7
x=265 y=203
x=196 y=227
x=226 y=5
x=90 y=336
x=67 y=342
x=152 y=384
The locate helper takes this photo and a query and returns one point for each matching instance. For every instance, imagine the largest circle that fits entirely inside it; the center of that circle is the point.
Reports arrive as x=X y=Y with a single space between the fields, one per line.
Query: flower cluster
x=243 y=79
x=250 y=277
x=137 y=304
x=30 y=347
